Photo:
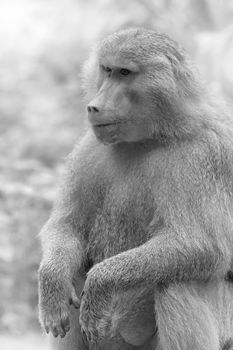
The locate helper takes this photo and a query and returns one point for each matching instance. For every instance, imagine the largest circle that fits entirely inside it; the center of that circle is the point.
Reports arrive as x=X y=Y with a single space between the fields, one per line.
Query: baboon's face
x=126 y=103
x=117 y=110
x=140 y=87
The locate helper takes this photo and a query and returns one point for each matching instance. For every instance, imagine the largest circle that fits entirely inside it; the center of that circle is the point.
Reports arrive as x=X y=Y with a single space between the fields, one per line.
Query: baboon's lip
x=105 y=124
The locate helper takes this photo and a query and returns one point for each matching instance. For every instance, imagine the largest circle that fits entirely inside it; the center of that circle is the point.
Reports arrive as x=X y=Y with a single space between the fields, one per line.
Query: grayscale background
x=43 y=44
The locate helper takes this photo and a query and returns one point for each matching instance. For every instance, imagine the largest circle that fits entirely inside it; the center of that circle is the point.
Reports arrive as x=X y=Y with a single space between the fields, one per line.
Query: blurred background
x=43 y=44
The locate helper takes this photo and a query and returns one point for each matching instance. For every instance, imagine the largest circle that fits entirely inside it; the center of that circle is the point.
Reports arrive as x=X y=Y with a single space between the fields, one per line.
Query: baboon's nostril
x=92 y=109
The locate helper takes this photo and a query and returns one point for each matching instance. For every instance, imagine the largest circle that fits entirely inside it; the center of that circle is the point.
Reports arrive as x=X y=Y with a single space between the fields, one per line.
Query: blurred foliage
x=43 y=45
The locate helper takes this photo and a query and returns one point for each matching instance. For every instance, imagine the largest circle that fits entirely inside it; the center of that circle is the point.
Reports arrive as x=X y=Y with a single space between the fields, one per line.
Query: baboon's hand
x=96 y=307
x=56 y=293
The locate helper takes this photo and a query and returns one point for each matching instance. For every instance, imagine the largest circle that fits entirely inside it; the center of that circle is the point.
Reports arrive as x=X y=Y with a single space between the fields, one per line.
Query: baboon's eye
x=107 y=69
x=125 y=71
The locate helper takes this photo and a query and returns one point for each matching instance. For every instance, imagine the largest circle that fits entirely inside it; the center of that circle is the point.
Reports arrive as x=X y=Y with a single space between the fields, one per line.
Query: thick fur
x=144 y=211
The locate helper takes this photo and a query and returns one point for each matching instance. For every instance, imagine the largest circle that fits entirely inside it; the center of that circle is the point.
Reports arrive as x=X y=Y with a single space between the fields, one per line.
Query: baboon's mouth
x=106 y=124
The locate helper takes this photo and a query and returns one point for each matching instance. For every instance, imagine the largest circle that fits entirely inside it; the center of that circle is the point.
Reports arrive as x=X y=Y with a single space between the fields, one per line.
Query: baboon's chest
x=121 y=221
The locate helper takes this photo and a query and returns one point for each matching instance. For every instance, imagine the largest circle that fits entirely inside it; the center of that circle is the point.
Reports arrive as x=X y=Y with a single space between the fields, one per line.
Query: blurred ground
x=29 y=342
x=43 y=45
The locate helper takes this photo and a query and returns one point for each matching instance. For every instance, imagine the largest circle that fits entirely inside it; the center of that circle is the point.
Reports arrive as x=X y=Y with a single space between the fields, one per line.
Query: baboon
x=143 y=221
